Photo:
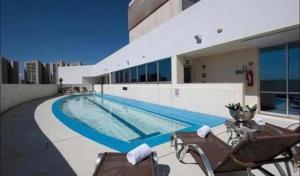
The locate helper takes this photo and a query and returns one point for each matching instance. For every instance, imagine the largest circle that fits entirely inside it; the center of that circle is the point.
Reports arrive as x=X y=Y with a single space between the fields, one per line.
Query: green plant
x=233 y=106
x=238 y=107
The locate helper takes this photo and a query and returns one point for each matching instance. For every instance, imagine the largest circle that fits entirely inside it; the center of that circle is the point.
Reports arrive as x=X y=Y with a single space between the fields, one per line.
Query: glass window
x=165 y=70
x=142 y=73
x=273 y=69
x=272 y=102
x=294 y=67
x=133 y=74
x=126 y=75
x=294 y=78
x=121 y=76
x=152 y=72
x=113 y=78
x=117 y=77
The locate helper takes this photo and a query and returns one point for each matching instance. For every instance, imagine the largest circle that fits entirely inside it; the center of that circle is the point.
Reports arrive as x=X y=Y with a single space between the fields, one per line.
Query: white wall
x=238 y=19
x=14 y=94
x=221 y=68
x=205 y=98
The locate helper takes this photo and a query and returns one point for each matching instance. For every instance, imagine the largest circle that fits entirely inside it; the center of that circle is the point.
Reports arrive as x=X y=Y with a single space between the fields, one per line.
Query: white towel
x=203 y=131
x=259 y=121
x=138 y=154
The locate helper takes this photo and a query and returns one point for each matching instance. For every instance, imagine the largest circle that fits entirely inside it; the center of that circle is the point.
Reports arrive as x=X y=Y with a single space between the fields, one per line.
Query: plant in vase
x=241 y=113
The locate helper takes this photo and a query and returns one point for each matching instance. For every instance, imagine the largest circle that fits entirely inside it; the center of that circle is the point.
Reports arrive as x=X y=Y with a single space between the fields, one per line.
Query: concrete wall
x=205 y=98
x=14 y=94
x=221 y=68
x=165 y=12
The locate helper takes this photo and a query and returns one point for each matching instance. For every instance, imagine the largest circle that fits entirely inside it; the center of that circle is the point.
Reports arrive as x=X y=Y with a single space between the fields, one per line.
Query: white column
x=174 y=61
x=177 y=70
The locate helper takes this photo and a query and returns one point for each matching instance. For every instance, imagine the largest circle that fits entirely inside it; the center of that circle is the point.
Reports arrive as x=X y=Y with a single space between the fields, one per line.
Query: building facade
x=143 y=16
x=205 y=56
x=33 y=72
x=54 y=71
x=9 y=72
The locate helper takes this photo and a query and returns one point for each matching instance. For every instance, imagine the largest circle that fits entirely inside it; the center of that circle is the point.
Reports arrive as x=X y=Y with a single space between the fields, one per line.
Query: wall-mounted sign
x=239 y=72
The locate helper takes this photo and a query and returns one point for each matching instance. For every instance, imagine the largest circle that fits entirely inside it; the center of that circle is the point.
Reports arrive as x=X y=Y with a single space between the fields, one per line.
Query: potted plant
x=60 y=85
x=241 y=113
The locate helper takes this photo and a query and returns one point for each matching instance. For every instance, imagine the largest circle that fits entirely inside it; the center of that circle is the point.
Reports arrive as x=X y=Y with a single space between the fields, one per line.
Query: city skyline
x=10 y=72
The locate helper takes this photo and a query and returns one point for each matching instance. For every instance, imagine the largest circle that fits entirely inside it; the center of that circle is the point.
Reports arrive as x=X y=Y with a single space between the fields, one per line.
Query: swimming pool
x=122 y=124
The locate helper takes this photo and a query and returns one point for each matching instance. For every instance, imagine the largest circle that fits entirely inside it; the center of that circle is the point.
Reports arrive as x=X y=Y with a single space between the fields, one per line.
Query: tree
x=60 y=85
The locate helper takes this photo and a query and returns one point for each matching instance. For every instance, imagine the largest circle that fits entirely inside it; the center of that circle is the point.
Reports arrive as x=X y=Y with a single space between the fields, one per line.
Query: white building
x=201 y=55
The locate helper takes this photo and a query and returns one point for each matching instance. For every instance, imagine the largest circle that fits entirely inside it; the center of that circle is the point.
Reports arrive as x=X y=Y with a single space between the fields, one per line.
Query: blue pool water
x=122 y=124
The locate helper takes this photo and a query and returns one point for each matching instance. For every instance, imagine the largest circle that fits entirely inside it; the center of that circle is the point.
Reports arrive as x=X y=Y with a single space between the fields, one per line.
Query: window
x=121 y=76
x=142 y=73
x=133 y=74
x=165 y=70
x=126 y=75
x=152 y=72
x=117 y=76
x=113 y=77
x=280 y=79
x=294 y=78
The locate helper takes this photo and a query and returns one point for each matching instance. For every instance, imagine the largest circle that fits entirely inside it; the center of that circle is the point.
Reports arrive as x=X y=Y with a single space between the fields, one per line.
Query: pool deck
x=34 y=142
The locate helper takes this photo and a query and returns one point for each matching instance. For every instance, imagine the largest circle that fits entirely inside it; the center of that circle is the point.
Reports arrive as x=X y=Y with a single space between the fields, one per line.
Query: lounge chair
x=84 y=89
x=76 y=89
x=68 y=91
x=116 y=164
x=215 y=156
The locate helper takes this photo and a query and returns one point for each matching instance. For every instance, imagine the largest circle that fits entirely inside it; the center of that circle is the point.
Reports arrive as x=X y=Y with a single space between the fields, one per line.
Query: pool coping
x=124 y=146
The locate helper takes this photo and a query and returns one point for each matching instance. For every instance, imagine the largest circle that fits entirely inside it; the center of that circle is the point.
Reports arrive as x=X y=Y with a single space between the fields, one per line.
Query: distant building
x=33 y=72
x=78 y=63
x=9 y=71
x=36 y=72
x=53 y=75
x=45 y=73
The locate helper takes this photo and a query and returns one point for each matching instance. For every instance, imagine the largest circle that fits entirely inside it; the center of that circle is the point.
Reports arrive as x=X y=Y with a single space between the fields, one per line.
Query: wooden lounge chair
x=76 y=89
x=215 y=156
x=84 y=89
x=68 y=91
x=116 y=164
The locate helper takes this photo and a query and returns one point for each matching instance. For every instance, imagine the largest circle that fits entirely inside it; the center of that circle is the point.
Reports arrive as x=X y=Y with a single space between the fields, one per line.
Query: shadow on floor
x=25 y=150
x=164 y=170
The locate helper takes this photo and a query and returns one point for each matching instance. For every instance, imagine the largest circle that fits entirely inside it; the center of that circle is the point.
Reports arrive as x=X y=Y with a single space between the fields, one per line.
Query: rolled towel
x=203 y=131
x=138 y=153
x=259 y=121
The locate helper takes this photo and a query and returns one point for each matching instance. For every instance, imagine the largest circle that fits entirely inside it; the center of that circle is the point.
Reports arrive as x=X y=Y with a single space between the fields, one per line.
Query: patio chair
x=84 y=89
x=68 y=91
x=116 y=164
x=76 y=89
x=215 y=156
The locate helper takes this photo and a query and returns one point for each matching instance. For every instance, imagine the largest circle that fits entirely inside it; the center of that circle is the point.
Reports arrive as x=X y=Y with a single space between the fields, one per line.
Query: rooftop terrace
x=34 y=142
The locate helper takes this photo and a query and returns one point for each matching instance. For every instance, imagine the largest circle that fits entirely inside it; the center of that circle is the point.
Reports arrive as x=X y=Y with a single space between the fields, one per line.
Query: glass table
x=240 y=130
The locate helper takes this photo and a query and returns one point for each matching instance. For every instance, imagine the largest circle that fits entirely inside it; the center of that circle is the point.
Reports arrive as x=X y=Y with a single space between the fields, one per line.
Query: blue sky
x=71 y=30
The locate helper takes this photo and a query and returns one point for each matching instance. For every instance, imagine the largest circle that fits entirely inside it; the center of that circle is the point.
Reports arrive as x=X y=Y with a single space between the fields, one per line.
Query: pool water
x=123 y=124
x=118 y=120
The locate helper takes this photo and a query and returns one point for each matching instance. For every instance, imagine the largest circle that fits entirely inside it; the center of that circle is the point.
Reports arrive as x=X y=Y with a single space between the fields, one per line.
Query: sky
x=71 y=30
